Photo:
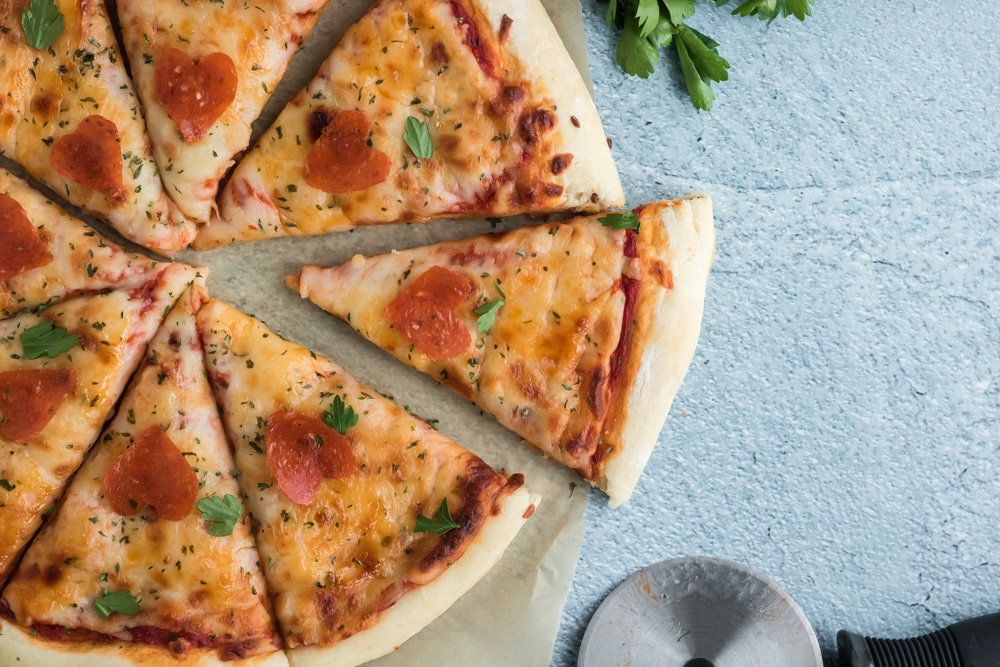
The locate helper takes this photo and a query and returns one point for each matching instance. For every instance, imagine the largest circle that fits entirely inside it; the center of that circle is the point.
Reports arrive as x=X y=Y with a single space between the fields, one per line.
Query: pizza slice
x=70 y=117
x=204 y=71
x=369 y=522
x=426 y=109
x=47 y=255
x=61 y=373
x=149 y=557
x=574 y=335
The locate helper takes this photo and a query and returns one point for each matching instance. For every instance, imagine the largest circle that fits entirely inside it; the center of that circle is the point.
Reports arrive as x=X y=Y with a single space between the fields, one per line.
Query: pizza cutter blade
x=699 y=612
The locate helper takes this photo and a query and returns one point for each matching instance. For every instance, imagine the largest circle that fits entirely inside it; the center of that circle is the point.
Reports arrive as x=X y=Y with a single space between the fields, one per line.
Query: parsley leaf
x=418 y=138
x=121 y=602
x=650 y=25
x=48 y=340
x=488 y=311
x=43 y=23
x=221 y=513
x=440 y=524
x=626 y=220
x=340 y=416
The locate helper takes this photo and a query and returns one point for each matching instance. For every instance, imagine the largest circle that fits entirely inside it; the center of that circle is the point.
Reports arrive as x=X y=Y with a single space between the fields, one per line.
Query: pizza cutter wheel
x=699 y=612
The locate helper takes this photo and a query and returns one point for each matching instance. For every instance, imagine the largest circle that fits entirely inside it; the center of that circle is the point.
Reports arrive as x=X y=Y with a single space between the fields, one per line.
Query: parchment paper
x=511 y=617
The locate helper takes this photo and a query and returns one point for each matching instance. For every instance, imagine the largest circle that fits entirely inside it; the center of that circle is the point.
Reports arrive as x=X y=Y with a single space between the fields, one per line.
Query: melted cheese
x=186 y=580
x=542 y=368
x=334 y=566
x=114 y=329
x=259 y=37
x=495 y=129
x=46 y=96
x=82 y=261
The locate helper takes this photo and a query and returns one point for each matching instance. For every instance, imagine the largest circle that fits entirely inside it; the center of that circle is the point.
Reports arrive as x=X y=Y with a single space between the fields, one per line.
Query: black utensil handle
x=971 y=643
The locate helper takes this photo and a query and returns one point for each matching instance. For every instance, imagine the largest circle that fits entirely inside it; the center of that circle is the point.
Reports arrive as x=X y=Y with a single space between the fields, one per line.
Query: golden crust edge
x=535 y=41
x=419 y=607
x=659 y=358
x=19 y=649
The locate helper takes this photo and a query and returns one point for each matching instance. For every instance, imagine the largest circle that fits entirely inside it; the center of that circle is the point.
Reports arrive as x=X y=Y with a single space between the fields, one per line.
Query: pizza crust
x=536 y=43
x=663 y=346
x=422 y=605
x=18 y=648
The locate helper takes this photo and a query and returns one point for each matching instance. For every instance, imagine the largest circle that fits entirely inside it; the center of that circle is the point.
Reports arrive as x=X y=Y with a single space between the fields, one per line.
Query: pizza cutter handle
x=971 y=643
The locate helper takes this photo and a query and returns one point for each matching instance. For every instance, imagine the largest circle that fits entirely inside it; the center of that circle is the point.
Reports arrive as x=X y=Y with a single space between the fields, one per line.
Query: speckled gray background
x=837 y=430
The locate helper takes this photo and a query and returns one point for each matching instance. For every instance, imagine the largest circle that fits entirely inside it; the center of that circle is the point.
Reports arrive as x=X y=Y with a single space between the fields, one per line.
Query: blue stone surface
x=838 y=429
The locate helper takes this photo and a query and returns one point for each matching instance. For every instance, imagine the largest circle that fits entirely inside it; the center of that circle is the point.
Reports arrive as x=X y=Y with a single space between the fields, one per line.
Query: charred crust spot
x=593 y=197
x=561 y=163
x=326 y=606
x=44 y=105
x=318 y=120
x=663 y=274
x=596 y=395
x=175 y=339
x=243 y=649
x=575 y=121
x=527 y=194
x=536 y=122
x=507 y=101
x=553 y=190
x=609 y=142
x=529 y=511
x=439 y=54
x=447 y=143
x=479 y=489
x=577 y=442
x=52 y=574
x=505 y=23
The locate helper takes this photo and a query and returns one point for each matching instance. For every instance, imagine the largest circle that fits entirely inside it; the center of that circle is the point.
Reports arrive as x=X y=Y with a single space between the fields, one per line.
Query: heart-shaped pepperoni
x=21 y=249
x=29 y=398
x=341 y=159
x=152 y=472
x=303 y=451
x=424 y=312
x=194 y=93
x=91 y=156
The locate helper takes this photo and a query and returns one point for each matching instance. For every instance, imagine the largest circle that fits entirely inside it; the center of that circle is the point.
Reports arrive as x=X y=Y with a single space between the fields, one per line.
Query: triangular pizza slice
x=70 y=116
x=204 y=71
x=426 y=110
x=150 y=543
x=369 y=522
x=61 y=373
x=47 y=255
x=574 y=335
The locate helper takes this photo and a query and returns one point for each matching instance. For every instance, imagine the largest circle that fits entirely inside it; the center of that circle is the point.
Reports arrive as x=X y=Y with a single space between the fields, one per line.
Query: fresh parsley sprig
x=43 y=23
x=119 y=602
x=222 y=514
x=418 y=138
x=340 y=416
x=626 y=220
x=650 y=25
x=440 y=524
x=45 y=339
x=488 y=312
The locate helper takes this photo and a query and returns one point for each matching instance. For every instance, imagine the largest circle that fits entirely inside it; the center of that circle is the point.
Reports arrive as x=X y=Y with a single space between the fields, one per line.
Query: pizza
x=426 y=109
x=574 y=335
x=47 y=255
x=61 y=373
x=129 y=565
x=204 y=71
x=370 y=522
x=70 y=117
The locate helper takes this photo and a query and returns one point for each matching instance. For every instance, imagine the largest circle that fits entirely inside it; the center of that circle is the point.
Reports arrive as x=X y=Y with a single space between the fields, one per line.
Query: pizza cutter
x=699 y=612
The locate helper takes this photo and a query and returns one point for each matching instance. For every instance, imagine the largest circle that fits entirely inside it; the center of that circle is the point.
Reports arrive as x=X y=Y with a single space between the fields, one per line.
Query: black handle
x=972 y=643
